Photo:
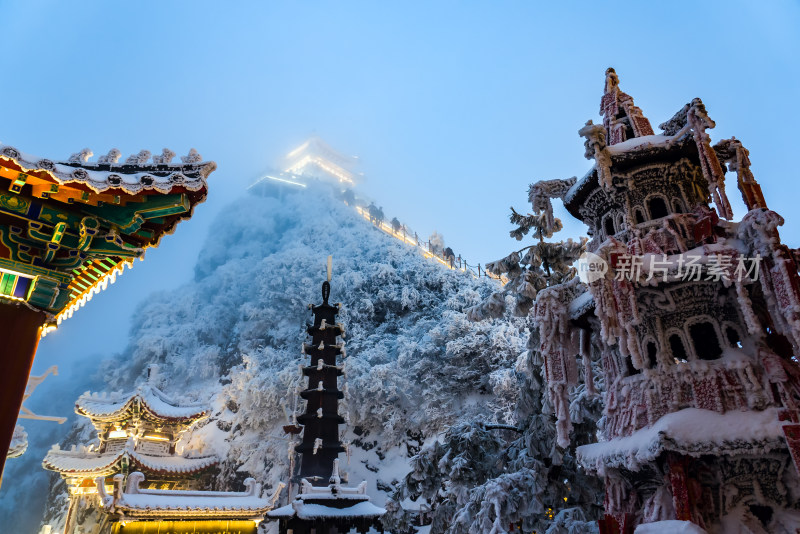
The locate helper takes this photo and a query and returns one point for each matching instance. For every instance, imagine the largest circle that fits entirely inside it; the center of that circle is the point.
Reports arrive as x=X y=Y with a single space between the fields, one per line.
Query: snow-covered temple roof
x=135 y=502
x=691 y=431
x=83 y=462
x=146 y=398
x=19 y=442
x=134 y=175
x=317 y=159
x=659 y=147
x=70 y=227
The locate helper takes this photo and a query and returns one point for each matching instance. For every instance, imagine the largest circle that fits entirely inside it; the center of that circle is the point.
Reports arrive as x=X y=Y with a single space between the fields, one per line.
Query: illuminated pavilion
x=67 y=229
x=137 y=432
x=312 y=160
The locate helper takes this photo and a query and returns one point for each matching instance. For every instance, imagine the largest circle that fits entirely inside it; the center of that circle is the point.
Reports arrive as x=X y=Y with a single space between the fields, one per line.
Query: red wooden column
x=678 y=478
x=20 y=328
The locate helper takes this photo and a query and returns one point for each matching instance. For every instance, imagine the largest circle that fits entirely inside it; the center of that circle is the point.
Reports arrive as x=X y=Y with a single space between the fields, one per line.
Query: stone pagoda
x=137 y=432
x=67 y=229
x=331 y=508
x=695 y=321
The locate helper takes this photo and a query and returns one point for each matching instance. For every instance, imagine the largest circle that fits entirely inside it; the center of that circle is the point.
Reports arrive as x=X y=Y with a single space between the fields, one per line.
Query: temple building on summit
x=696 y=323
x=67 y=229
x=312 y=161
x=330 y=508
x=137 y=432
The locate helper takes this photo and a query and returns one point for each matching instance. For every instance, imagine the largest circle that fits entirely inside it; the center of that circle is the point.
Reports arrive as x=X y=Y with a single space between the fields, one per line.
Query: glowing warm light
x=405 y=238
x=297 y=150
x=338 y=172
x=115 y=434
x=80 y=300
x=156 y=437
x=284 y=181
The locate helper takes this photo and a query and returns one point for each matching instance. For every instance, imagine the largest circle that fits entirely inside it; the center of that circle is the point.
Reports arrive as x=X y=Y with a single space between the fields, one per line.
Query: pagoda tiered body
x=328 y=508
x=696 y=323
x=321 y=420
x=67 y=229
x=138 y=432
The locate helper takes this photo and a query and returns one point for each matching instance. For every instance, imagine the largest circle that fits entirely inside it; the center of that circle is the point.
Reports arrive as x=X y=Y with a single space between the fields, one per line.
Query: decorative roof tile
x=133 y=176
x=149 y=397
x=83 y=462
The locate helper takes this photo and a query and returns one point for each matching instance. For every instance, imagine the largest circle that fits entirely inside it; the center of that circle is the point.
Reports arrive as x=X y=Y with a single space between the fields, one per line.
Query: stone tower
x=696 y=323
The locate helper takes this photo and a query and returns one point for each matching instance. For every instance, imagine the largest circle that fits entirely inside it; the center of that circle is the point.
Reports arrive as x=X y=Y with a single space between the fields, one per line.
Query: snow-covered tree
x=489 y=478
x=415 y=364
x=436 y=243
x=536 y=266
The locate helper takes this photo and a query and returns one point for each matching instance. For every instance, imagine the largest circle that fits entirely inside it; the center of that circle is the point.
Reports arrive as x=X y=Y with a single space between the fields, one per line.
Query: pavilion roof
x=68 y=228
x=86 y=463
x=132 y=177
x=147 y=398
x=317 y=158
x=135 y=502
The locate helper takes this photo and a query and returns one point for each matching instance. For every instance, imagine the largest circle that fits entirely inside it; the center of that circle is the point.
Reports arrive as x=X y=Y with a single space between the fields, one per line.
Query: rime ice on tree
x=701 y=379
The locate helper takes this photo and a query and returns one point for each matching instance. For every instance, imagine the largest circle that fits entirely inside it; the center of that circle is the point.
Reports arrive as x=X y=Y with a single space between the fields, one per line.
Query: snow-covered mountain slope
x=414 y=366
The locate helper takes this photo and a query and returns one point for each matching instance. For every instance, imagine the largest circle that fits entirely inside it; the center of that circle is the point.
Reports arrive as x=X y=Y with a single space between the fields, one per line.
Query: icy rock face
x=415 y=365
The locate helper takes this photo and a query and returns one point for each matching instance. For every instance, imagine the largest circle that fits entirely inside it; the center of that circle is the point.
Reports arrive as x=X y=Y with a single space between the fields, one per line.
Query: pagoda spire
x=621 y=118
x=321 y=420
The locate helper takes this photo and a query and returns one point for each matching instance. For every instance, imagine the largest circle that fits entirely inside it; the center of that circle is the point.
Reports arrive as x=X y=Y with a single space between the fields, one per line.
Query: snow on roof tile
x=150 y=398
x=691 y=431
x=81 y=462
x=133 y=176
x=641 y=143
x=88 y=463
x=135 y=501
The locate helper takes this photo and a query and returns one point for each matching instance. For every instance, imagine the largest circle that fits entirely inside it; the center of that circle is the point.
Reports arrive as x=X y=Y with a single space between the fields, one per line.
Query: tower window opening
x=609 y=226
x=652 y=352
x=658 y=208
x=638 y=216
x=677 y=206
x=677 y=348
x=733 y=337
x=705 y=340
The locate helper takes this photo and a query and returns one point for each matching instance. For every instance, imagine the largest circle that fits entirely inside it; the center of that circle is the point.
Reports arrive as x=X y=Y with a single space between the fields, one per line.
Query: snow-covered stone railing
x=332 y=501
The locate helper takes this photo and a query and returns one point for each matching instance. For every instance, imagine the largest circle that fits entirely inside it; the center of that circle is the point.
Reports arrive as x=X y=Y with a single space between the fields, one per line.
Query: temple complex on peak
x=314 y=160
x=695 y=322
x=331 y=508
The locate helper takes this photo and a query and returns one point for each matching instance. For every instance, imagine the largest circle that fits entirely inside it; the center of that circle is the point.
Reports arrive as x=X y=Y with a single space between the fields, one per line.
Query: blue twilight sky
x=453 y=107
